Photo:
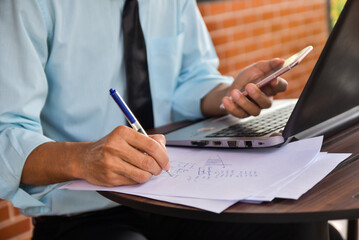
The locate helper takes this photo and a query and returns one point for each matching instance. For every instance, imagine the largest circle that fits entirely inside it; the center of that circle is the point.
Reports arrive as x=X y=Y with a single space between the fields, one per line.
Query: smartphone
x=289 y=63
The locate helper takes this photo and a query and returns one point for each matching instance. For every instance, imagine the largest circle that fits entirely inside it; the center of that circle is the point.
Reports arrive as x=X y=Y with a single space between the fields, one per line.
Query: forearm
x=53 y=162
x=210 y=104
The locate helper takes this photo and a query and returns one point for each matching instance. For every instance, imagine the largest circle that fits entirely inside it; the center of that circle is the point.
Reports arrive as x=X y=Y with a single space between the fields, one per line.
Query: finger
x=129 y=173
x=161 y=139
x=276 y=86
x=269 y=65
x=127 y=145
x=256 y=72
x=153 y=148
x=233 y=109
x=259 y=97
x=281 y=85
x=141 y=160
x=115 y=171
x=243 y=102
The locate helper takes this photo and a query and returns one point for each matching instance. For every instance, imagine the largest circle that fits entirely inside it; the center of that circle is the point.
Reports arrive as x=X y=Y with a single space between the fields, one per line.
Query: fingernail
x=168 y=166
x=250 y=90
x=274 y=82
x=236 y=95
x=277 y=61
x=163 y=145
x=225 y=102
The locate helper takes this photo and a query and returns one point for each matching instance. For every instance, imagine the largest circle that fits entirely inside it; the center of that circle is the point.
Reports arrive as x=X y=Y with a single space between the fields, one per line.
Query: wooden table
x=335 y=197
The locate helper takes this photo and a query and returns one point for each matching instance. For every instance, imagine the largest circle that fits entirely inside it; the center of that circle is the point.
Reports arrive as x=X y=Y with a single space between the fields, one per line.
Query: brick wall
x=13 y=225
x=245 y=31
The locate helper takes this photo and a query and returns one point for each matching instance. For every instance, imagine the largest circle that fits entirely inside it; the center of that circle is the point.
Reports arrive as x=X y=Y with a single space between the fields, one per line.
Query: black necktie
x=138 y=85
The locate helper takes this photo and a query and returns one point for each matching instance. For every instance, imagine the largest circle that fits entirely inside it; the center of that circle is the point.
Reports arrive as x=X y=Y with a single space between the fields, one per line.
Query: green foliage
x=336 y=6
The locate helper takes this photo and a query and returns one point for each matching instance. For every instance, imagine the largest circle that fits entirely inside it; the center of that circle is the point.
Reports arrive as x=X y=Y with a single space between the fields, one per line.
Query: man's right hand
x=122 y=157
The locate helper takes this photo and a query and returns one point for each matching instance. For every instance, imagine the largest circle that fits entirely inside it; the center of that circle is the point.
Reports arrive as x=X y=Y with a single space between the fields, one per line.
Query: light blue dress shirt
x=58 y=60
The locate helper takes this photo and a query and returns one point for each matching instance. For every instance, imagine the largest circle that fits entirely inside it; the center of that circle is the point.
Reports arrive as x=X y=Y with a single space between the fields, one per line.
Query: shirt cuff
x=16 y=146
x=189 y=107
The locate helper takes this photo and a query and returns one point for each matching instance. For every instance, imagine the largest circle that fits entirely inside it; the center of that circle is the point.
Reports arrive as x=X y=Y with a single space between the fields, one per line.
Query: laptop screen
x=333 y=86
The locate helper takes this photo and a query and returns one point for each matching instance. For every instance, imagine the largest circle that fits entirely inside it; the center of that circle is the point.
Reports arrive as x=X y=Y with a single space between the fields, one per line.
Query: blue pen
x=128 y=114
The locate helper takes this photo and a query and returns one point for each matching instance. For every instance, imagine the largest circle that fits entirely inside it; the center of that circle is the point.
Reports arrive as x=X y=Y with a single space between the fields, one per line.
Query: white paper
x=216 y=179
x=320 y=168
x=227 y=174
x=293 y=187
x=280 y=186
x=216 y=206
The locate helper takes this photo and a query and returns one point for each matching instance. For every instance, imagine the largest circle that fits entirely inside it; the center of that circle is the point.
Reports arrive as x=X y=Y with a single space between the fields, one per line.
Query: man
x=57 y=122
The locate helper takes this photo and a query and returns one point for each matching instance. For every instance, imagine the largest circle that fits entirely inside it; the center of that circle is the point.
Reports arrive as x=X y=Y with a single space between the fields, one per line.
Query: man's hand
x=257 y=99
x=122 y=157
x=243 y=106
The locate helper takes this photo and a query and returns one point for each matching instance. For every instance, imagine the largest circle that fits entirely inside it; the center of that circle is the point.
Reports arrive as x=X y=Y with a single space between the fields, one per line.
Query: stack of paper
x=213 y=179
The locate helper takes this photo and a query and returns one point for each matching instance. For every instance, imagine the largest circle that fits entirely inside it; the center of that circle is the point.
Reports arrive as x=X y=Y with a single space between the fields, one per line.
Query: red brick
x=213 y=25
x=256 y=3
x=218 y=8
x=267 y=43
x=277 y=26
x=233 y=52
x=221 y=53
x=285 y=12
x=220 y=39
x=4 y=213
x=239 y=5
x=240 y=35
x=268 y=15
x=204 y=8
x=230 y=22
x=251 y=47
x=309 y=20
x=259 y=31
x=249 y=19
x=15 y=229
x=16 y=211
x=300 y=9
x=223 y=69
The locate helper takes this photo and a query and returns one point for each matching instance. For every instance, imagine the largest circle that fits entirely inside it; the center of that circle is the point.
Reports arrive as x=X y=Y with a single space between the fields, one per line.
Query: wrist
x=75 y=153
x=54 y=162
x=210 y=104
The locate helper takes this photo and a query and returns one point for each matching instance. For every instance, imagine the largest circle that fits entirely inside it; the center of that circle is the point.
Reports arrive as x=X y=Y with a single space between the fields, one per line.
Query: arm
x=201 y=88
x=198 y=74
x=23 y=90
x=29 y=157
x=117 y=159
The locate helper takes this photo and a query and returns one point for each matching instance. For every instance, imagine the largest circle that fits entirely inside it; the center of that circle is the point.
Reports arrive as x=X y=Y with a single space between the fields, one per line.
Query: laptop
x=328 y=103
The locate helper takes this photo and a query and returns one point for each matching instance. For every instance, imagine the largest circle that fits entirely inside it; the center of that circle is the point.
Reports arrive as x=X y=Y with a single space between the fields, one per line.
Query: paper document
x=227 y=174
x=215 y=179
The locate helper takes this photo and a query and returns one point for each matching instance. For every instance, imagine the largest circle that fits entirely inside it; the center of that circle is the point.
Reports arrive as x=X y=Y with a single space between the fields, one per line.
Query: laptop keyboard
x=260 y=126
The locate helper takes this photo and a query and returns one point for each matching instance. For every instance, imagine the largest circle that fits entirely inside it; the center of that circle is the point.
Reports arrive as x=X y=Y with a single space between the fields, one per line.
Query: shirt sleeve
x=23 y=91
x=199 y=74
